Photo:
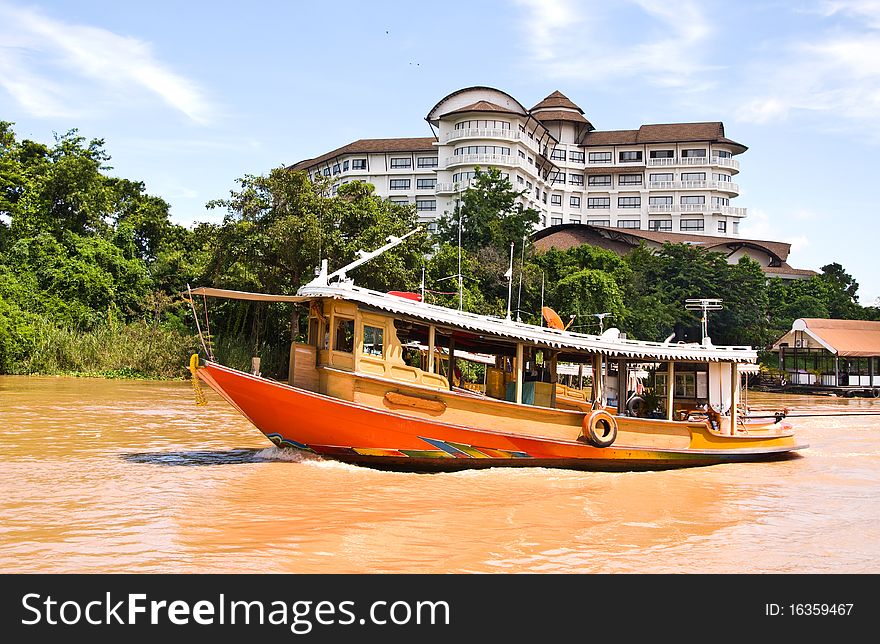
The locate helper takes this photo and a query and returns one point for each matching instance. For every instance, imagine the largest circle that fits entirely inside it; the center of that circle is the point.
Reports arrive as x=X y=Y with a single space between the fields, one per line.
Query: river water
x=124 y=476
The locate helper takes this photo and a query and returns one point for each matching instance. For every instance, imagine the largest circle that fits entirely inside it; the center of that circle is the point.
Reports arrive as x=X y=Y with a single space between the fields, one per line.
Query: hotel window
x=735 y=226
x=629 y=180
x=336 y=169
x=690 y=154
x=426 y=184
x=343 y=335
x=599 y=180
x=334 y=189
x=558 y=155
x=722 y=226
x=401 y=163
x=358 y=164
x=600 y=157
x=345 y=166
x=662 y=154
x=659 y=224
x=720 y=201
x=659 y=201
x=522 y=128
x=531 y=161
x=528 y=185
x=373 y=344
x=400 y=201
x=598 y=202
x=326 y=172
x=693 y=176
x=482 y=149
x=723 y=154
x=598 y=222
x=629 y=202
x=628 y=223
x=483 y=124
x=691 y=224
x=574 y=202
x=721 y=177
x=519 y=179
x=576 y=179
x=462 y=177
x=521 y=154
x=576 y=157
x=662 y=176
x=574 y=220
x=693 y=200
x=555 y=200
x=399 y=184
x=427 y=162
x=537 y=193
x=628 y=156
x=555 y=221
x=426 y=204
x=557 y=177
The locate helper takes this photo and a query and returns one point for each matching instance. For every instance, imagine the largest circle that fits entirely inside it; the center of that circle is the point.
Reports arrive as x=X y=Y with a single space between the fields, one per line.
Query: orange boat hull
x=351 y=432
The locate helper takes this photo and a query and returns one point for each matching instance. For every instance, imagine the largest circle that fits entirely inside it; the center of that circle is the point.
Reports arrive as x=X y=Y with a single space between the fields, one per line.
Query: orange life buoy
x=600 y=428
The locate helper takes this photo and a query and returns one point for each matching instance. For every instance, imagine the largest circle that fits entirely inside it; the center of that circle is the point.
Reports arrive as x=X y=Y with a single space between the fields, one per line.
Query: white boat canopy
x=608 y=344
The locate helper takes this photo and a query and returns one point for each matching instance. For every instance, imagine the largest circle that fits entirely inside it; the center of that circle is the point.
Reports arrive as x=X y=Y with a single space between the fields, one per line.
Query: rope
x=854 y=413
x=201 y=401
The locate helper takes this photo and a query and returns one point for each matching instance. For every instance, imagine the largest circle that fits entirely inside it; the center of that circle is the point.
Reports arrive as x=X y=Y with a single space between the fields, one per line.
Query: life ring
x=600 y=428
x=635 y=406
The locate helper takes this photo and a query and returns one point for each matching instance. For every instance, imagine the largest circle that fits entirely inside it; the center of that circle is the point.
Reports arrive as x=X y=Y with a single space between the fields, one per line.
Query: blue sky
x=189 y=96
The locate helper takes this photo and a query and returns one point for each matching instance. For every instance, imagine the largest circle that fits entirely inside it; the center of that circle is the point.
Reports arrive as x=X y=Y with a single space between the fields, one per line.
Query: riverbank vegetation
x=92 y=268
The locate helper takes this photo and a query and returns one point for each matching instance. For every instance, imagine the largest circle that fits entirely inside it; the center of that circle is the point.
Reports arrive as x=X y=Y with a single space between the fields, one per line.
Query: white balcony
x=721 y=186
x=475 y=133
x=730 y=210
x=483 y=160
x=662 y=161
x=723 y=162
x=693 y=207
x=655 y=208
x=726 y=162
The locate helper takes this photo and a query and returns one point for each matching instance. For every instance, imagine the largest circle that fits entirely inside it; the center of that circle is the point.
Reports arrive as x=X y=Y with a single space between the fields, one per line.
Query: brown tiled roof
x=848 y=337
x=785 y=269
x=483 y=106
x=560 y=115
x=779 y=249
x=712 y=132
x=556 y=99
x=365 y=146
x=622 y=240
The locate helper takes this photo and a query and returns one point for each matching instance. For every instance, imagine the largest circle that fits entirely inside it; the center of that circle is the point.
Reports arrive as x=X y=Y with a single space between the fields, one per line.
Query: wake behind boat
x=376 y=383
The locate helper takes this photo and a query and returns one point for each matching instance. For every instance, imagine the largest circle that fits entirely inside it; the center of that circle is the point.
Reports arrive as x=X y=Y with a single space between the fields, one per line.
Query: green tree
x=491 y=214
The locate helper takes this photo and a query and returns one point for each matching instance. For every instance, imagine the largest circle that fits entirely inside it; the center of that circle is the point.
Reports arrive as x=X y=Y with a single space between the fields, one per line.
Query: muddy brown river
x=124 y=476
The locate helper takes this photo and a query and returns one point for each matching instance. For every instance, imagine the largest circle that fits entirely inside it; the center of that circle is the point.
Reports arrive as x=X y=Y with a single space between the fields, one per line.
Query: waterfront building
x=676 y=177
x=841 y=355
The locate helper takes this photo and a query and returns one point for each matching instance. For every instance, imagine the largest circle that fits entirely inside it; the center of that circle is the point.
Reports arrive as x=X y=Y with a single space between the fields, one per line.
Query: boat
x=376 y=383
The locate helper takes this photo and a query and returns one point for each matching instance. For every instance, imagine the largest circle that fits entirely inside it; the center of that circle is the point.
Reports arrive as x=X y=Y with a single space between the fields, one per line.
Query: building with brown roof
x=841 y=355
x=668 y=178
x=771 y=255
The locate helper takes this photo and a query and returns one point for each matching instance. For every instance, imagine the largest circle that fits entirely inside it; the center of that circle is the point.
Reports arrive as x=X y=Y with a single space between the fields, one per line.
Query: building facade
x=675 y=177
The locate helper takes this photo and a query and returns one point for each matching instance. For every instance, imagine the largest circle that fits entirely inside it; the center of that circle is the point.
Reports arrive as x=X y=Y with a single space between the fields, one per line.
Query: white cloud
x=575 y=41
x=52 y=68
x=832 y=70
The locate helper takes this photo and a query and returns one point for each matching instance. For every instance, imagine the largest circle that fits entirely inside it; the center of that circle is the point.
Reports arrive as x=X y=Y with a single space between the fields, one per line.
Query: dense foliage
x=92 y=267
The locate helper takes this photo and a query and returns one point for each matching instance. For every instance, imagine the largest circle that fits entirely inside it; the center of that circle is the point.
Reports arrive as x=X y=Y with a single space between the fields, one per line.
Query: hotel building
x=674 y=178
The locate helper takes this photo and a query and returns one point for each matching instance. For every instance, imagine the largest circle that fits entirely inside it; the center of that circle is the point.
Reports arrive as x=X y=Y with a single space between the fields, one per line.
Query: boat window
x=373 y=340
x=343 y=336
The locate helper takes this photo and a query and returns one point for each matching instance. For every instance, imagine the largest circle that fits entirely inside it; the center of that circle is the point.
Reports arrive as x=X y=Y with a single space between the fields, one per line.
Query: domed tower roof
x=558 y=107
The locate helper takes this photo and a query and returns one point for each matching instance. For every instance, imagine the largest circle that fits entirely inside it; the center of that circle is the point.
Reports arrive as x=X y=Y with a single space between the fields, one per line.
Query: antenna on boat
x=522 y=256
x=460 y=283
x=542 y=296
x=704 y=304
x=602 y=317
x=322 y=279
x=509 y=276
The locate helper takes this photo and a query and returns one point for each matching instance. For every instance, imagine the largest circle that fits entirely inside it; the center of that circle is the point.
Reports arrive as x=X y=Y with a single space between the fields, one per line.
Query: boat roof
x=610 y=343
